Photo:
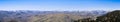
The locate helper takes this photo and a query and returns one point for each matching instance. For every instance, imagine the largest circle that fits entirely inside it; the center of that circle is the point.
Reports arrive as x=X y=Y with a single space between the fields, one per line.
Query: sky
x=59 y=5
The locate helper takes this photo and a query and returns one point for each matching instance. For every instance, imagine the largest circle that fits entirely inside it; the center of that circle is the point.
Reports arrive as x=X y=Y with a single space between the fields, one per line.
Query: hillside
x=48 y=16
x=113 y=16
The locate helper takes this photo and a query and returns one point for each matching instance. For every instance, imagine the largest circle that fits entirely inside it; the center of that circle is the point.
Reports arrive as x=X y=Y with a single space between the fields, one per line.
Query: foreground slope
x=113 y=16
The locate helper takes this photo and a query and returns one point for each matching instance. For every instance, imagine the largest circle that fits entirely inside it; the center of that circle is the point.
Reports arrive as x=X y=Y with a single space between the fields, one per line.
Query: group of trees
x=113 y=16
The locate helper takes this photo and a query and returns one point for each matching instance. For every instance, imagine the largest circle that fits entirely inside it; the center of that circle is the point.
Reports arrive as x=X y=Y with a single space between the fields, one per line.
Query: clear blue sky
x=48 y=5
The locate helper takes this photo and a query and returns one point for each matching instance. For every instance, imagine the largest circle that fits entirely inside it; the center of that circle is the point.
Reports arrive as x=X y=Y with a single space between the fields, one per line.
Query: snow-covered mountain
x=47 y=16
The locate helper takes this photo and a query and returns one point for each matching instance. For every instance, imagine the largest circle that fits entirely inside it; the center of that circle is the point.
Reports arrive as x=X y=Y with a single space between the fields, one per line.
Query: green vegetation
x=113 y=16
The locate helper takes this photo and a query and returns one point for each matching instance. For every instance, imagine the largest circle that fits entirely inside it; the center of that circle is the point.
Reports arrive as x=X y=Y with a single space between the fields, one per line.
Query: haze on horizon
x=59 y=5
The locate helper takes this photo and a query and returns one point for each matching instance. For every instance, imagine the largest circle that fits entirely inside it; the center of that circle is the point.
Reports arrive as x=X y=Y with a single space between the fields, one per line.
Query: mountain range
x=48 y=16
